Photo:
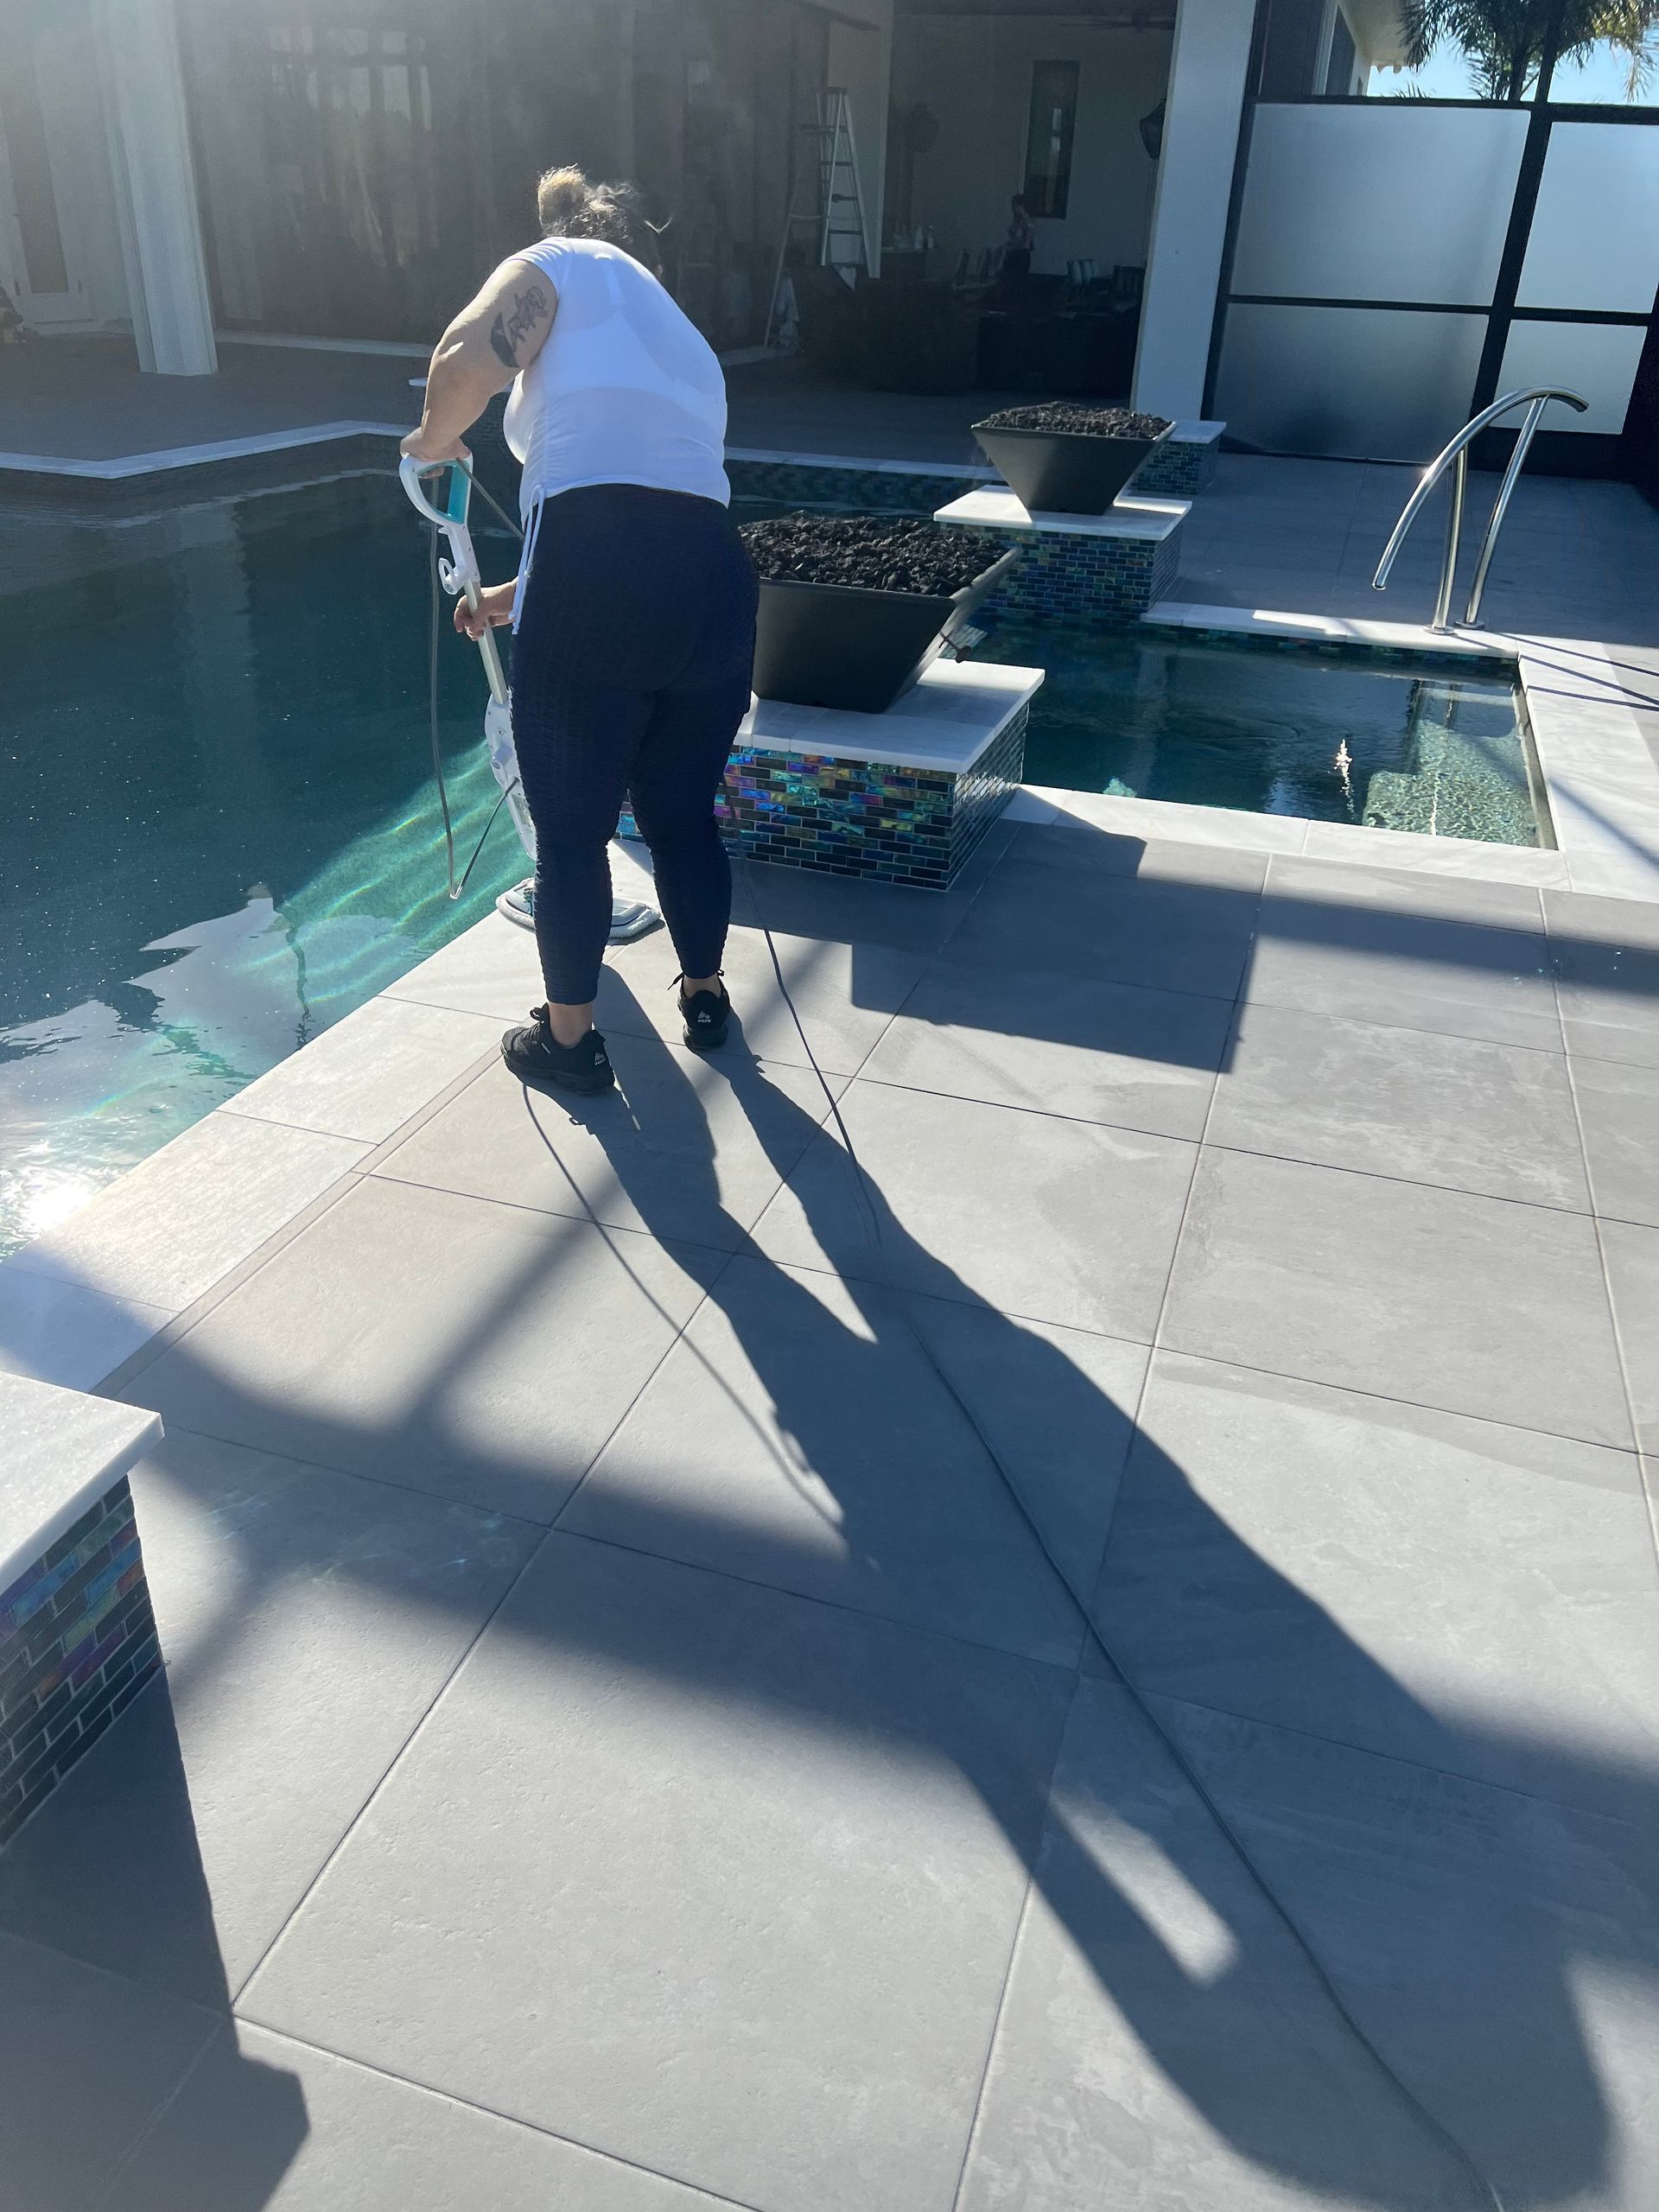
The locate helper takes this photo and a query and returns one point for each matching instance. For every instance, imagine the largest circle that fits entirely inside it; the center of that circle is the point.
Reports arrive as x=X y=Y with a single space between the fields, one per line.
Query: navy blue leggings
x=630 y=676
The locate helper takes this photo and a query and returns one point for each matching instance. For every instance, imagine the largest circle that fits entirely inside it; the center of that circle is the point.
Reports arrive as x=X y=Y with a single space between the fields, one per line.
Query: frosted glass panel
x=1597 y=360
x=1382 y=202
x=1372 y=383
x=1595 y=236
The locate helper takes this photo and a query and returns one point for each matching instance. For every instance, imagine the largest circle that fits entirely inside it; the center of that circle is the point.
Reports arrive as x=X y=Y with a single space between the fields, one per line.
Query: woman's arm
x=484 y=348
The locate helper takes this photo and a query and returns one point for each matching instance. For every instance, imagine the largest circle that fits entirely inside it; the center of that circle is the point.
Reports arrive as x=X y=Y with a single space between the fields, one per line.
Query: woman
x=1018 y=245
x=634 y=610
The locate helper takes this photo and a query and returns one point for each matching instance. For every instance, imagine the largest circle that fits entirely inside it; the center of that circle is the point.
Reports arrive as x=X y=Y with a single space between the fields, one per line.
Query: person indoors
x=633 y=609
x=1017 y=246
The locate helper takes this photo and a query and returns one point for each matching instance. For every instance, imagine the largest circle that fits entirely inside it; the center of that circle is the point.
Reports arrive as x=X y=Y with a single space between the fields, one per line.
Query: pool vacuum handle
x=459 y=573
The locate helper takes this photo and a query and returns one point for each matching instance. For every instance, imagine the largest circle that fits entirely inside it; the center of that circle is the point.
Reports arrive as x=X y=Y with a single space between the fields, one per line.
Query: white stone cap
x=945 y=722
x=1195 y=434
x=62 y=1450
x=1331 y=629
x=996 y=508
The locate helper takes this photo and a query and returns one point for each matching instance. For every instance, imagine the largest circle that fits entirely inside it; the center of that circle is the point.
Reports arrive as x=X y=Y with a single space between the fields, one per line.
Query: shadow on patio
x=712 y=1858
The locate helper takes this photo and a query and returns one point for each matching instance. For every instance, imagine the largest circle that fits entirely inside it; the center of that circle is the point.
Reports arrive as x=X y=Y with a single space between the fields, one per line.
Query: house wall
x=974 y=75
x=54 y=43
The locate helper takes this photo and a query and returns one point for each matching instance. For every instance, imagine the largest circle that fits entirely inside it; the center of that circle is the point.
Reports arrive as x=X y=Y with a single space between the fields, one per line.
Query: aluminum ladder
x=842 y=238
x=1535 y=399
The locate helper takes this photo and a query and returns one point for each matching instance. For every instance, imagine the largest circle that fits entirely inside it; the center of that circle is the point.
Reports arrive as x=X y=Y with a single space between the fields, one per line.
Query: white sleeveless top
x=625 y=390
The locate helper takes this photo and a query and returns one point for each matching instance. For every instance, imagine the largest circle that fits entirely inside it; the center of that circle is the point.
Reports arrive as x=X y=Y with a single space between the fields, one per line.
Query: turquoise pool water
x=1416 y=745
x=218 y=828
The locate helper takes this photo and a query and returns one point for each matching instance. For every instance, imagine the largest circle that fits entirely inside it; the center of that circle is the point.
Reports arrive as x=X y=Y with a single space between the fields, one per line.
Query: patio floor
x=620 y=1748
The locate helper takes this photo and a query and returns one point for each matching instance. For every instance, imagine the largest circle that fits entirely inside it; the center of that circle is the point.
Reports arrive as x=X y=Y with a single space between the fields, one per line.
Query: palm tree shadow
x=1467 y=1988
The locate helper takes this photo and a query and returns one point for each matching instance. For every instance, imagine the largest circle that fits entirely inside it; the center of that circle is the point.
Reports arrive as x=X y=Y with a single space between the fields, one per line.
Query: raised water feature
x=1431 y=744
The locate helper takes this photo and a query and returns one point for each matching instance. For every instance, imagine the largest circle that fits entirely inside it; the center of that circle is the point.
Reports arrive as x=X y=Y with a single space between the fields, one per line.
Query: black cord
x=432 y=724
x=1486 y=2194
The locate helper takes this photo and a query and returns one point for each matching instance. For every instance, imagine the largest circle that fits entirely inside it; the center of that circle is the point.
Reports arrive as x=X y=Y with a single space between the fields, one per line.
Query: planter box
x=1064 y=472
x=841 y=645
x=1077 y=569
x=903 y=798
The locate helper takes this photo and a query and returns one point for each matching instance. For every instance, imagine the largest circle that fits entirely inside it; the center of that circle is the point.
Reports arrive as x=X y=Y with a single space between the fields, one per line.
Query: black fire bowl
x=1063 y=471
x=849 y=647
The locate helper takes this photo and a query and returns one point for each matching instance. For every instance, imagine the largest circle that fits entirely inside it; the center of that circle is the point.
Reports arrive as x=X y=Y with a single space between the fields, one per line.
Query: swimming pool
x=1417 y=744
x=219 y=831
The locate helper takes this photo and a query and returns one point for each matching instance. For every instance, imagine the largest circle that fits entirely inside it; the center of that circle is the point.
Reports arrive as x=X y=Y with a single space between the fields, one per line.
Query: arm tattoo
x=508 y=331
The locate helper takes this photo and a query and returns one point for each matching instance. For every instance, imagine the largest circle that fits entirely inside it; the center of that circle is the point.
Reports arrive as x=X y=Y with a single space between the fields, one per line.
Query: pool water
x=219 y=826
x=1421 y=746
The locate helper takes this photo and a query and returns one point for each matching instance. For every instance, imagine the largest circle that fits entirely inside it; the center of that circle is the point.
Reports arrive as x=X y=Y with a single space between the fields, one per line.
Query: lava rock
x=866 y=552
x=1061 y=418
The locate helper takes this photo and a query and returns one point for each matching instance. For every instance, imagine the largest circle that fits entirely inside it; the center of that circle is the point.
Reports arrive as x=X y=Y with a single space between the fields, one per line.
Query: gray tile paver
x=1170 y=936
x=1604 y=953
x=711 y=1879
x=686 y=1147
x=1474 y=1305
x=1062 y=1221
x=86 y=2058
x=366 y=2143
x=1058 y=1045
x=739 y=1455
x=1632 y=1252
x=1502 y=1951
x=1161 y=2042
x=479 y=1351
x=1455 y=1111
x=1476 y=1597
x=1619 y=1114
x=1406 y=970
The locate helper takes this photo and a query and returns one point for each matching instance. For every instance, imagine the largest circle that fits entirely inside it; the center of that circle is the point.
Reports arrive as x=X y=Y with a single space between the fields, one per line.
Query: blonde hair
x=569 y=207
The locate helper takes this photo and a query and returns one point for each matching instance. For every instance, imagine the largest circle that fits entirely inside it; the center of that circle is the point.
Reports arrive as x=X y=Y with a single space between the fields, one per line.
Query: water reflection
x=219 y=832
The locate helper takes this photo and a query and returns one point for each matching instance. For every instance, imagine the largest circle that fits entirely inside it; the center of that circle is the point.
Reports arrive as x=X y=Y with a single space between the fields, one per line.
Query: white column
x=1204 y=104
x=156 y=186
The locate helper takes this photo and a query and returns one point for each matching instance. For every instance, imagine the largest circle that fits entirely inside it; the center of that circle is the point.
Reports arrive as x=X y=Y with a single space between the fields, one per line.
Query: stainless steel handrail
x=1535 y=399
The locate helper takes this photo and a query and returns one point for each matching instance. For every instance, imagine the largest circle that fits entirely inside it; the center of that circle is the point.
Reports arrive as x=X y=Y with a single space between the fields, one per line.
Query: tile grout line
x=126 y=1372
x=1019 y=1921
x=448 y=1680
x=107 y=2195
x=1579 y=1811
x=1620 y=1351
x=486 y=2112
x=1250 y=1367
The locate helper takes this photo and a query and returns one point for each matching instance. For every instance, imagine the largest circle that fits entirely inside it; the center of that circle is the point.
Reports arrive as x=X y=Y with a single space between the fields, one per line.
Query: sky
x=1446 y=76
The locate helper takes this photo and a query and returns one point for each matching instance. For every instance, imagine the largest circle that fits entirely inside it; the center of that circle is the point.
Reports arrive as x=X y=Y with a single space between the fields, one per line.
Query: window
x=1048 y=137
x=1339 y=61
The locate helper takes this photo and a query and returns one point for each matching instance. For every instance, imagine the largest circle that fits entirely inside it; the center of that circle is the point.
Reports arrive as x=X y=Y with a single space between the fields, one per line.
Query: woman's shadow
x=806 y=1442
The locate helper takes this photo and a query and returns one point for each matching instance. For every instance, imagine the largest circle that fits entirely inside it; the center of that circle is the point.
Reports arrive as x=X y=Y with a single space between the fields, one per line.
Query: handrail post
x=1453 y=538
x=1501 y=504
x=1456 y=451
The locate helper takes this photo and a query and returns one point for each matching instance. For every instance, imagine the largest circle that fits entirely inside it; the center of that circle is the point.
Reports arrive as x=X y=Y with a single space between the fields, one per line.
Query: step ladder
x=838 y=222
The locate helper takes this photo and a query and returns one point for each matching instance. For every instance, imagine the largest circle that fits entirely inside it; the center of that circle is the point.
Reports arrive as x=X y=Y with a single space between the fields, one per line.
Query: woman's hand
x=494 y=610
x=421 y=445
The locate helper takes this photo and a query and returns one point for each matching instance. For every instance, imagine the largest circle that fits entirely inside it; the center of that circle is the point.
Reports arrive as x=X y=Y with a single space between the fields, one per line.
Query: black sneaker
x=535 y=1055
x=705 y=1015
